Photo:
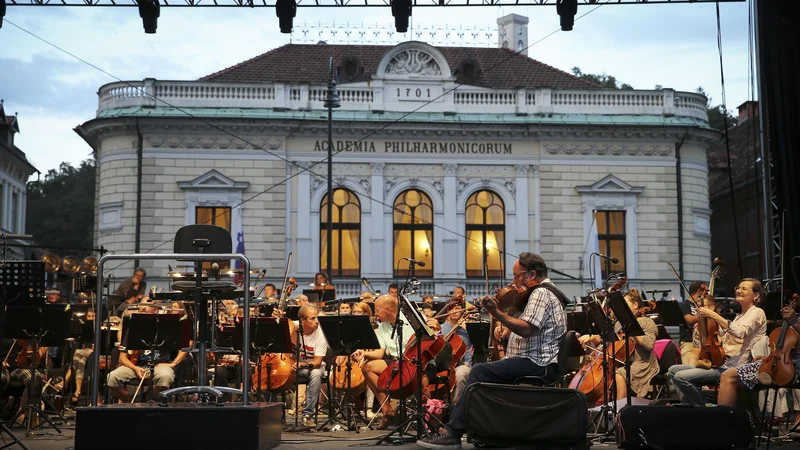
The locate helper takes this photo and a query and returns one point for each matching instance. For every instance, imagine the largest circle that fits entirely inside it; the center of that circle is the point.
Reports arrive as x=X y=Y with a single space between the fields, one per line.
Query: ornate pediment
x=414 y=60
x=610 y=184
x=213 y=180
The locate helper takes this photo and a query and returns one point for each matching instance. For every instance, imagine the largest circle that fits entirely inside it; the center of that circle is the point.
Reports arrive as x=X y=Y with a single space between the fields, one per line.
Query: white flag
x=593 y=244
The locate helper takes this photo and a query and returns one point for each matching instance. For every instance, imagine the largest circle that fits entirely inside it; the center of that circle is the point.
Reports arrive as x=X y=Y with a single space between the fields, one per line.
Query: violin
x=778 y=367
x=711 y=349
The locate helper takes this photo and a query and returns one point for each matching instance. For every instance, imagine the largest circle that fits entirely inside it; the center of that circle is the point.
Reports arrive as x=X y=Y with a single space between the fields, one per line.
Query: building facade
x=459 y=157
x=15 y=169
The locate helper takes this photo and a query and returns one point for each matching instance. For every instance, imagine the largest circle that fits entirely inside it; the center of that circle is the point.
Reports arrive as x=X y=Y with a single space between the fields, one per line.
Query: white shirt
x=384 y=333
x=313 y=344
x=737 y=340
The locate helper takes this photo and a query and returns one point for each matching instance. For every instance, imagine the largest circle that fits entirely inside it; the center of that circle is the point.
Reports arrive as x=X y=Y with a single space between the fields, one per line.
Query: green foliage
x=717 y=114
x=603 y=79
x=61 y=207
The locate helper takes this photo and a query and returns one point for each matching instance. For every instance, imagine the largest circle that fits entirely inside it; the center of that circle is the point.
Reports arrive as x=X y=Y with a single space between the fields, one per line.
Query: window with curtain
x=214 y=215
x=346 y=218
x=413 y=232
x=611 y=236
x=486 y=230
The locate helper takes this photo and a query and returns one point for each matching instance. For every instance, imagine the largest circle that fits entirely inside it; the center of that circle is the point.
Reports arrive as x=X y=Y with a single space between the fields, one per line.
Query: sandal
x=387 y=420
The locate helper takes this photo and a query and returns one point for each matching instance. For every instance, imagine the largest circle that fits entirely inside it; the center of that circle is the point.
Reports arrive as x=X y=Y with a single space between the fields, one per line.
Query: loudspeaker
x=179 y=425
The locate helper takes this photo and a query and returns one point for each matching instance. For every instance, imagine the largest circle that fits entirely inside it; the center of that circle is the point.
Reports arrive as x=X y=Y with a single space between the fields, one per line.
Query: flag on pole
x=239 y=278
x=594 y=247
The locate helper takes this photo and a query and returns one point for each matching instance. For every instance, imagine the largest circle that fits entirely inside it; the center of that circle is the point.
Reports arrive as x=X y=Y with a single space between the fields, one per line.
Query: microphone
x=613 y=260
x=365 y=283
x=414 y=261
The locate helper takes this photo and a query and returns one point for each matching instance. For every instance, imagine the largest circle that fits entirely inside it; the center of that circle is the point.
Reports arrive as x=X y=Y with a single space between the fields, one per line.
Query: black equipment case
x=519 y=415
x=684 y=427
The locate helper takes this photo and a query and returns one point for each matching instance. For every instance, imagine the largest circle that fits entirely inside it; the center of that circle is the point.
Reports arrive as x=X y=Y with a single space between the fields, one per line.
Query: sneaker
x=440 y=441
x=308 y=421
x=371 y=414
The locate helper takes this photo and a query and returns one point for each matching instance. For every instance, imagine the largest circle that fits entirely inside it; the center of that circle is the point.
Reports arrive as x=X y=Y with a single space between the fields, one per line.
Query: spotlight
x=401 y=10
x=567 y=10
x=285 y=10
x=149 y=10
x=2 y=11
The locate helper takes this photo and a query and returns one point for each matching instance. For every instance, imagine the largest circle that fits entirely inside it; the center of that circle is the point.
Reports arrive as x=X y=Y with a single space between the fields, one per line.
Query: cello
x=777 y=367
x=276 y=370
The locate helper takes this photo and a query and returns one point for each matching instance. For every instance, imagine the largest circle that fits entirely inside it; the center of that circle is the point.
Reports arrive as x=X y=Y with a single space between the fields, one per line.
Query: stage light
x=567 y=9
x=286 y=10
x=2 y=11
x=401 y=10
x=149 y=10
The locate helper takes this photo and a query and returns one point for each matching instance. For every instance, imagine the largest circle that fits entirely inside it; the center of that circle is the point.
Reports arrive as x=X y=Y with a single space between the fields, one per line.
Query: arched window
x=413 y=232
x=486 y=231
x=346 y=233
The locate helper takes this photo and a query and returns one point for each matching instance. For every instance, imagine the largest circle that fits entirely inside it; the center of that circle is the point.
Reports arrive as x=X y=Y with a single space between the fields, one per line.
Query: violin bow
x=285 y=281
x=682 y=284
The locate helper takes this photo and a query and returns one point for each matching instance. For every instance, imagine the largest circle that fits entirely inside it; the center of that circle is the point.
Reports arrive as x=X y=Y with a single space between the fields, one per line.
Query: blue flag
x=239 y=278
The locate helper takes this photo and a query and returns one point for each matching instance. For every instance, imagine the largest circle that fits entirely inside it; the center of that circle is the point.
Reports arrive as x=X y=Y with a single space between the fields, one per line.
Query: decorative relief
x=485 y=182
x=377 y=168
x=439 y=187
x=413 y=62
x=365 y=185
x=628 y=149
x=450 y=169
x=460 y=185
x=512 y=187
x=315 y=183
x=413 y=170
x=339 y=181
x=522 y=170
x=413 y=182
x=487 y=171
x=208 y=142
x=387 y=186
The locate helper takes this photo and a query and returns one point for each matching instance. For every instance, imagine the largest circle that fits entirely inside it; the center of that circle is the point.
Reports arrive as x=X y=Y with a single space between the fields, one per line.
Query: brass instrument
x=51 y=262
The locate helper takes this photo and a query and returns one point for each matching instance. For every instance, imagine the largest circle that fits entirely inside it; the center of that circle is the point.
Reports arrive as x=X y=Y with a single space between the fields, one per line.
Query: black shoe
x=440 y=441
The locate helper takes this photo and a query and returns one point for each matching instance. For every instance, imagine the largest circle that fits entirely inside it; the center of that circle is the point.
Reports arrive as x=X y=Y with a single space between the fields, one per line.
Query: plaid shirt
x=545 y=312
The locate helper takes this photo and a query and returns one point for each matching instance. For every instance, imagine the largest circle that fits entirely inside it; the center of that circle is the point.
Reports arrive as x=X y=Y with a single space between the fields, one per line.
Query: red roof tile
x=309 y=64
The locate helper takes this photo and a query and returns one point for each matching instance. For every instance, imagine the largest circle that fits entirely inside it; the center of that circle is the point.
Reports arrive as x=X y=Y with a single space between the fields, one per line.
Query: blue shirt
x=462 y=333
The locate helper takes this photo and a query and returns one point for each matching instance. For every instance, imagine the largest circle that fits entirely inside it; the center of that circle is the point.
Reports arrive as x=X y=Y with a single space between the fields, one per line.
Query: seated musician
x=746 y=376
x=696 y=291
x=78 y=367
x=532 y=348
x=644 y=364
x=393 y=288
x=131 y=298
x=737 y=338
x=345 y=308
x=363 y=309
x=301 y=300
x=711 y=303
x=321 y=282
x=137 y=281
x=375 y=361
x=16 y=367
x=270 y=291
x=464 y=366
x=135 y=369
x=313 y=348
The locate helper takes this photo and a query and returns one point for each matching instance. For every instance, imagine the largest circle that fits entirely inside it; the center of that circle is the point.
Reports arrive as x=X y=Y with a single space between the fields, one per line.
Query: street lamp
x=331 y=101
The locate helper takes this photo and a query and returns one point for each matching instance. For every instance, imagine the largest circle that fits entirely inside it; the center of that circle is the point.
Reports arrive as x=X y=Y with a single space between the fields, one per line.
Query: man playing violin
x=375 y=361
x=737 y=337
x=133 y=365
x=532 y=345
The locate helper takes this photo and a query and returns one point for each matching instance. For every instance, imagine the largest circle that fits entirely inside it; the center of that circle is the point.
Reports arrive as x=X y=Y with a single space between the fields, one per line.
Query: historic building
x=15 y=169
x=452 y=156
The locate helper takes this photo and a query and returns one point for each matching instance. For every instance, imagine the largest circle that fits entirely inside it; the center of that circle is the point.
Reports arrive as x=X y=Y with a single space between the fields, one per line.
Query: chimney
x=747 y=110
x=512 y=33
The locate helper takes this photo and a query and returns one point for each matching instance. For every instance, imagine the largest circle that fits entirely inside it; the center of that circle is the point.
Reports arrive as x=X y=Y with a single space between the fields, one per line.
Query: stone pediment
x=213 y=180
x=414 y=60
x=610 y=184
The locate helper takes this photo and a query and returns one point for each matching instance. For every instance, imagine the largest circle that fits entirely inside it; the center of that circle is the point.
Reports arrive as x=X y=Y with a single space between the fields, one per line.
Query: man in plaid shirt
x=532 y=348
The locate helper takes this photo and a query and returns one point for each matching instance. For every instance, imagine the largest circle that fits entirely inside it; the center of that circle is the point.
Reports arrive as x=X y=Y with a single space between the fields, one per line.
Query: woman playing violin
x=532 y=346
x=644 y=365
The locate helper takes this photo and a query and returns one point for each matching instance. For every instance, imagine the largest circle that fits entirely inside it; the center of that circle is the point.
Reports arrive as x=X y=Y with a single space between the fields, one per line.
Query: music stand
x=346 y=334
x=45 y=325
x=292 y=312
x=630 y=328
x=601 y=325
x=479 y=336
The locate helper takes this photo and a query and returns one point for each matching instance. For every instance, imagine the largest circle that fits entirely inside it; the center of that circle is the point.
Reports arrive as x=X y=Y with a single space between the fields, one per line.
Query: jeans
x=163 y=376
x=313 y=387
x=504 y=371
x=688 y=379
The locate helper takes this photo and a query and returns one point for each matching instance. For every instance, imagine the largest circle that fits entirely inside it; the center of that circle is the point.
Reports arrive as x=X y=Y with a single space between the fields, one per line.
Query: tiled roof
x=309 y=64
x=745 y=148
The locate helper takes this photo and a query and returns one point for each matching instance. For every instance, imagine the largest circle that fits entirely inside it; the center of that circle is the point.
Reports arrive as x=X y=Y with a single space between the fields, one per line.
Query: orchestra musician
x=131 y=298
x=737 y=337
x=301 y=300
x=465 y=365
x=129 y=370
x=78 y=367
x=644 y=364
x=135 y=282
x=696 y=291
x=393 y=288
x=313 y=348
x=745 y=376
x=345 y=308
x=270 y=291
x=533 y=345
x=363 y=309
x=321 y=282
x=13 y=370
x=375 y=361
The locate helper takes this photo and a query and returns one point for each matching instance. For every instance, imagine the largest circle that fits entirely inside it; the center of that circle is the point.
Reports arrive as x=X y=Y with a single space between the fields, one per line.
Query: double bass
x=711 y=350
x=778 y=367
x=276 y=370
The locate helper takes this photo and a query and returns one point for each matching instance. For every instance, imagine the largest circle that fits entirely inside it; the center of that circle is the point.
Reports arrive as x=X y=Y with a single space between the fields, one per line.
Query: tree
x=717 y=114
x=603 y=79
x=61 y=207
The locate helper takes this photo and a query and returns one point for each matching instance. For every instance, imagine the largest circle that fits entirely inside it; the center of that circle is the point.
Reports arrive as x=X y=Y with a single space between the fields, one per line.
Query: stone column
x=450 y=240
x=522 y=239
x=23 y=208
x=7 y=207
x=377 y=237
x=537 y=229
x=304 y=250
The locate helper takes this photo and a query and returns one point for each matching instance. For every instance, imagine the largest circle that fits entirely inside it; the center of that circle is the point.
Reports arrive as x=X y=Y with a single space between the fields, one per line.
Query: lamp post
x=331 y=101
